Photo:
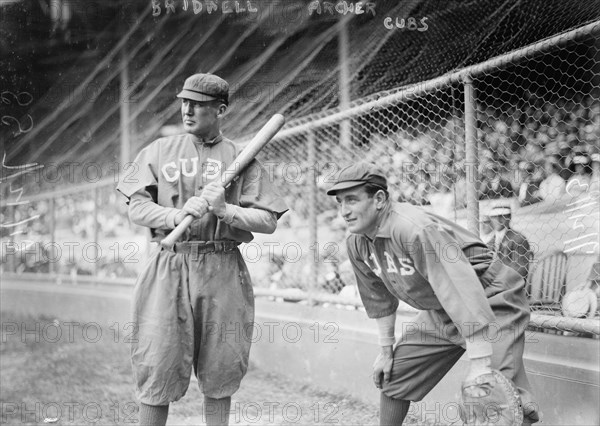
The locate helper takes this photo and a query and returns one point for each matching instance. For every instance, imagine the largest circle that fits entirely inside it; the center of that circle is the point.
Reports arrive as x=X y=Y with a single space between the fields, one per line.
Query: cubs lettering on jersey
x=211 y=169
x=403 y=266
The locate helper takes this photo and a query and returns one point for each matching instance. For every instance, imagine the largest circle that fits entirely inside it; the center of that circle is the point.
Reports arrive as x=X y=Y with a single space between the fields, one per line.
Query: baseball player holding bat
x=469 y=301
x=190 y=301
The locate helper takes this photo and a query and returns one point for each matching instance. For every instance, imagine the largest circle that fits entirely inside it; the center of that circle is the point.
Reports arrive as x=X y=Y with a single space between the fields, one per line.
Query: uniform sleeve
x=141 y=173
x=440 y=259
x=250 y=219
x=376 y=298
x=144 y=211
x=259 y=192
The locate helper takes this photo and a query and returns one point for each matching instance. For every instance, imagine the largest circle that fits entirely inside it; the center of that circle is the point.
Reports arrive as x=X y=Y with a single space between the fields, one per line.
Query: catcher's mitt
x=501 y=404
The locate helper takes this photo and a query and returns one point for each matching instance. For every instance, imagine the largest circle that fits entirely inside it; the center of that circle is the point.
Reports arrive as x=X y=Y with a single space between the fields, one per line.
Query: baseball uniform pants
x=191 y=310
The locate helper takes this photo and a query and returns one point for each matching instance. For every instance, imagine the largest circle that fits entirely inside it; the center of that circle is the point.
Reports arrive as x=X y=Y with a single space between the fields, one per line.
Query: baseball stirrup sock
x=392 y=411
x=216 y=411
x=153 y=415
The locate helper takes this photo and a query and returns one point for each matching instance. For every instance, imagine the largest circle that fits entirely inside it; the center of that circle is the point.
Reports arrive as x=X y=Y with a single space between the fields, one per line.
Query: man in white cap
x=579 y=183
x=511 y=247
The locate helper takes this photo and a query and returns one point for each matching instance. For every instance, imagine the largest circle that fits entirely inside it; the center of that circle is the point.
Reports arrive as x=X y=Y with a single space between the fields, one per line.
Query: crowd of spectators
x=529 y=153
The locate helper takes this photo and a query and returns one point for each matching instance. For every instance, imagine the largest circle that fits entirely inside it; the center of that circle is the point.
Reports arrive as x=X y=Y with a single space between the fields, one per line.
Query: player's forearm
x=145 y=212
x=387 y=351
x=478 y=366
x=477 y=344
x=386 y=330
x=250 y=219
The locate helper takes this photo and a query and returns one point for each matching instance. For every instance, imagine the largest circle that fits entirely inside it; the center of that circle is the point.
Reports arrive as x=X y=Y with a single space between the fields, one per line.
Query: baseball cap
x=500 y=210
x=205 y=87
x=356 y=175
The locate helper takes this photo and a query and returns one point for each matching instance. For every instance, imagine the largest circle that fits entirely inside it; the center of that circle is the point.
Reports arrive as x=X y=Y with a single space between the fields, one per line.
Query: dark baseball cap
x=358 y=174
x=205 y=87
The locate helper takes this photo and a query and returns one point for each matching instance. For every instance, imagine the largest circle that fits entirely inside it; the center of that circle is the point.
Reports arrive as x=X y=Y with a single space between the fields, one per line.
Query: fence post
x=52 y=213
x=124 y=107
x=344 y=76
x=11 y=263
x=96 y=229
x=472 y=162
x=312 y=216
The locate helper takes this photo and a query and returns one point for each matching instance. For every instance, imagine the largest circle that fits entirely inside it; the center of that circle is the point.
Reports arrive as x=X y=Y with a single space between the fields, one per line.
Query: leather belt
x=203 y=247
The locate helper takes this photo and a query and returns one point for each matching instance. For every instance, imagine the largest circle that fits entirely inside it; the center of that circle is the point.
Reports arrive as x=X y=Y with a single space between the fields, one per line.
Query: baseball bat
x=264 y=135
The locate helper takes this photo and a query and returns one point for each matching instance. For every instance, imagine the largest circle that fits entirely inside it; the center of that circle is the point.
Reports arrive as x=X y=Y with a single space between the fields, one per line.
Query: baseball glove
x=500 y=405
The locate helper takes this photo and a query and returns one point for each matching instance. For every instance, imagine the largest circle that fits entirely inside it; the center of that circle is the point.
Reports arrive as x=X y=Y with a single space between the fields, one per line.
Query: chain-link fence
x=79 y=234
x=532 y=173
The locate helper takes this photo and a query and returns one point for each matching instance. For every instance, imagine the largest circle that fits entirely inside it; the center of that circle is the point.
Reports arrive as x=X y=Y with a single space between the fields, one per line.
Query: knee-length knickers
x=191 y=310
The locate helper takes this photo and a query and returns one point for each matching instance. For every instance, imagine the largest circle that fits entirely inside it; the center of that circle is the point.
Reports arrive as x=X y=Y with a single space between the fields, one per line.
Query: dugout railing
x=504 y=120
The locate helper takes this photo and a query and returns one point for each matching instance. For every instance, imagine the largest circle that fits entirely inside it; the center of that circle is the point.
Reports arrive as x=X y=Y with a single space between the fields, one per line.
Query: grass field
x=81 y=378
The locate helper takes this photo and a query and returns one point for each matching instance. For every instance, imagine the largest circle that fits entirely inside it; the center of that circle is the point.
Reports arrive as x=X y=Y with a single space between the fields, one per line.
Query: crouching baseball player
x=187 y=302
x=469 y=301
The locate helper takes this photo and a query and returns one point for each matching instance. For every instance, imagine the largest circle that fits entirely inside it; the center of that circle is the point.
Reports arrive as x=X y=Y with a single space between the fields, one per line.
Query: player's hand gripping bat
x=264 y=135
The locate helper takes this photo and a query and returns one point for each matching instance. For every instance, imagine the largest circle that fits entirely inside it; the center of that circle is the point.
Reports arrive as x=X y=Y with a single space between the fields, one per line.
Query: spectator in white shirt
x=553 y=186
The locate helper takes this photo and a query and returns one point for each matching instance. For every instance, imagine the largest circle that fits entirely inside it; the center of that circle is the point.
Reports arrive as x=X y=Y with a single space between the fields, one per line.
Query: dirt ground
x=267 y=399
x=62 y=372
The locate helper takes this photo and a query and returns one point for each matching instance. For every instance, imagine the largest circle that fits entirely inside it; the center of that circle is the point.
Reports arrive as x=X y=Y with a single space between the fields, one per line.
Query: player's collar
x=384 y=227
x=212 y=141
